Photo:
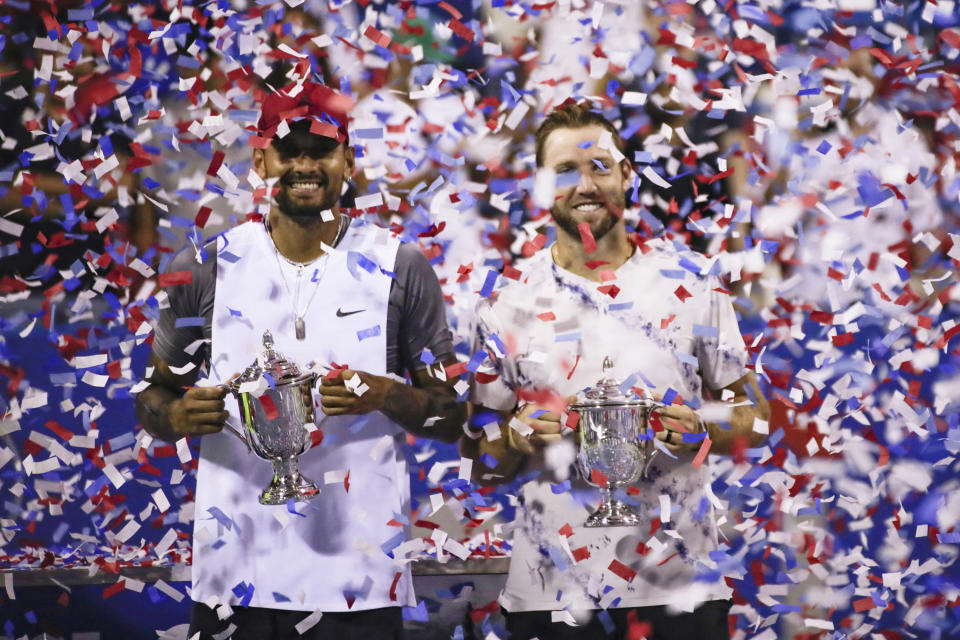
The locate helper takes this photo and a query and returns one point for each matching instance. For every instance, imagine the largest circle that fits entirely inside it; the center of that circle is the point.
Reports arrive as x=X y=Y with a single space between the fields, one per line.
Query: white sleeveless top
x=331 y=554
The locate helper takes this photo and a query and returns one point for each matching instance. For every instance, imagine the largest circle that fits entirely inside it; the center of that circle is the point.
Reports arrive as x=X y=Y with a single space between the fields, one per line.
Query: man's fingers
x=203 y=406
x=206 y=393
x=336 y=401
x=209 y=418
x=541 y=440
x=544 y=426
x=333 y=391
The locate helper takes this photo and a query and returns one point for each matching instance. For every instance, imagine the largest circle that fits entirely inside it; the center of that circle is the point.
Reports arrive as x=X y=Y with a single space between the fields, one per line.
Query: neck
x=301 y=242
x=614 y=248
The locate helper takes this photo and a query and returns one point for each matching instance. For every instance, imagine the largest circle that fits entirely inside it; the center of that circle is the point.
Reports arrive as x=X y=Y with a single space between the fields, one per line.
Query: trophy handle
x=234 y=389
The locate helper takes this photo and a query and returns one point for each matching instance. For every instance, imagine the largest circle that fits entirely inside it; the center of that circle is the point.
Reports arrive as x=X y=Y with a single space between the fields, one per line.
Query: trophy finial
x=607 y=365
x=267 y=339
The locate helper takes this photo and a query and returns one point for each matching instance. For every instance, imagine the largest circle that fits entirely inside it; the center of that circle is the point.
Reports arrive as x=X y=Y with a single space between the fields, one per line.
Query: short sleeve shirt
x=416 y=320
x=668 y=326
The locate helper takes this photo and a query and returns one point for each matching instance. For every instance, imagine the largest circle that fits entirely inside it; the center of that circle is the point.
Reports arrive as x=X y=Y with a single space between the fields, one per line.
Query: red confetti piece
x=202 y=216
x=610 y=289
x=665 y=322
x=114 y=589
x=580 y=553
x=393 y=586
x=174 y=278
x=346 y=482
x=378 y=37
x=451 y=10
x=842 y=339
x=566 y=530
x=586 y=237
x=269 y=407
x=682 y=293
x=598 y=478
x=461 y=30
x=547 y=316
x=324 y=129
x=618 y=568
x=259 y=142
x=702 y=453
x=215 y=163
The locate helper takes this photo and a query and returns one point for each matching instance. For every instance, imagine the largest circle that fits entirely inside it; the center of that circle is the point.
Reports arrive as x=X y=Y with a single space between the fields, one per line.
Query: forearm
x=413 y=407
x=739 y=431
x=153 y=411
x=508 y=459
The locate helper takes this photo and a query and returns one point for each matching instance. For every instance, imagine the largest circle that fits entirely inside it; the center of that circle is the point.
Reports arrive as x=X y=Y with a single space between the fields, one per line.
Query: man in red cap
x=332 y=291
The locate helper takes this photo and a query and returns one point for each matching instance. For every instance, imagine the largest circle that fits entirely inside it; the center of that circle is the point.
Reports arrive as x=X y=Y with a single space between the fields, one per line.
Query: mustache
x=297 y=176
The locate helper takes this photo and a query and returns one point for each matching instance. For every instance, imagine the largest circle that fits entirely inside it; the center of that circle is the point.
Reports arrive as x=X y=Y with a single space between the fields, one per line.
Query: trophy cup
x=615 y=444
x=275 y=420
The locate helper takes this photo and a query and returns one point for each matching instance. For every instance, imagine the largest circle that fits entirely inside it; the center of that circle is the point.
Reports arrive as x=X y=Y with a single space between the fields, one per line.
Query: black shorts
x=255 y=623
x=706 y=622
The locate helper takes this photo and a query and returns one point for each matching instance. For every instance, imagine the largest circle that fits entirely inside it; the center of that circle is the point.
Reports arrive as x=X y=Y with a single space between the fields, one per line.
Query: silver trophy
x=275 y=420
x=615 y=444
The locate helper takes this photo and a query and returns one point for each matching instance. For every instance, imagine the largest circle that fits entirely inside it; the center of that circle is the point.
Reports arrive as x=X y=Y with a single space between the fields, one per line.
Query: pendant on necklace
x=301 y=328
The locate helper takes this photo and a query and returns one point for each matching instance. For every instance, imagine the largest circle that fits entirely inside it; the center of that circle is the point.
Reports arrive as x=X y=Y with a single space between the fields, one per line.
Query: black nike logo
x=343 y=314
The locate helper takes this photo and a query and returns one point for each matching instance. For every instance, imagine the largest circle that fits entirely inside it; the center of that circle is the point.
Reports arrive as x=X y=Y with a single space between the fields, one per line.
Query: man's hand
x=545 y=423
x=200 y=411
x=339 y=394
x=677 y=420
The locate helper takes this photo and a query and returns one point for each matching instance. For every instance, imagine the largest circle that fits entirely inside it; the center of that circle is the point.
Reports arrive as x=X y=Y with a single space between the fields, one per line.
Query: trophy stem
x=287 y=483
x=612 y=512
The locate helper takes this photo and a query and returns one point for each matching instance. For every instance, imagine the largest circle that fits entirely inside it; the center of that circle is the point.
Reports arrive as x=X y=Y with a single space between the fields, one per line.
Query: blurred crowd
x=809 y=157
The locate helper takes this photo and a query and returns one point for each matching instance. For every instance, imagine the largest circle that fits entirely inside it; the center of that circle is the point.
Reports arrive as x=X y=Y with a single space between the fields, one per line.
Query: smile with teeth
x=305 y=185
x=587 y=207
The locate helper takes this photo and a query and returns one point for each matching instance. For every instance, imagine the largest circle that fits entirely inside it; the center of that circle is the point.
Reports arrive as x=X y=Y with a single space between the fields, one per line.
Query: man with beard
x=670 y=330
x=350 y=298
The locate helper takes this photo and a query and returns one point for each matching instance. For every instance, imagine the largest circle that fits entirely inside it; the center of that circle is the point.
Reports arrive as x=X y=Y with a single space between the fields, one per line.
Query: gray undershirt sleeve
x=416 y=318
x=192 y=305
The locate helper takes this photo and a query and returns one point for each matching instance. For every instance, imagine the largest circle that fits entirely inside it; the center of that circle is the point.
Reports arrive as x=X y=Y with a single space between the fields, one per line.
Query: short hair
x=573 y=115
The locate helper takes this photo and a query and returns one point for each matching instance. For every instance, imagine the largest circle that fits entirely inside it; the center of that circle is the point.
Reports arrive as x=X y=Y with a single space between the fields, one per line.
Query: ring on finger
x=669 y=437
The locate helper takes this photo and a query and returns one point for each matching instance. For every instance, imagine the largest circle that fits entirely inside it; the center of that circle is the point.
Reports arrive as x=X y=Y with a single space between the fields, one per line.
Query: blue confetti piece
x=234 y=313
x=427 y=357
x=704 y=331
x=488 y=460
x=488 y=284
x=292 y=508
x=476 y=360
x=279 y=597
x=416 y=614
x=372 y=332
x=669 y=396
x=563 y=487
x=222 y=518
x=824 y=147
x=189 y=321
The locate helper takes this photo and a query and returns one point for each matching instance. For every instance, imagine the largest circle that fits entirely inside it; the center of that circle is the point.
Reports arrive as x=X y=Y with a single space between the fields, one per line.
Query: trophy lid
x=606 y=392
x=271 y=362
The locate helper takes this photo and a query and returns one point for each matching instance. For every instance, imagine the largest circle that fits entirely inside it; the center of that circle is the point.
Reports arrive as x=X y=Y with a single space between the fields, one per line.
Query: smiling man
x=596 y=294
x=350 y=298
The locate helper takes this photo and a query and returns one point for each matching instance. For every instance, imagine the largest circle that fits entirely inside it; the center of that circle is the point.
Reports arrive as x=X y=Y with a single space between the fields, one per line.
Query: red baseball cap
x=328 y=109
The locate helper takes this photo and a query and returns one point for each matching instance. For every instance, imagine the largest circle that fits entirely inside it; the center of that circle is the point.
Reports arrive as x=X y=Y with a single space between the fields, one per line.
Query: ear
x=626 y=174
x=260 y=163
x=349 y=158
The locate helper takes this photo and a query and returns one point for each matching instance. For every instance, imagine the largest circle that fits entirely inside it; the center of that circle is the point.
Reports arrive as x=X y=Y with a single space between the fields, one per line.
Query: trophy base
x=613 y=513
x=283 y=488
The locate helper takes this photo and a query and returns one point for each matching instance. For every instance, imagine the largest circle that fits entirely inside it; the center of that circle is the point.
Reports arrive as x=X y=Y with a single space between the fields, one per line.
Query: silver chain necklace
x=299 y=325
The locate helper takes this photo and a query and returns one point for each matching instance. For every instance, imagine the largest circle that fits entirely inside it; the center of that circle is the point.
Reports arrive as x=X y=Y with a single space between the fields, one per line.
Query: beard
x=564 y=219
x=305 y=214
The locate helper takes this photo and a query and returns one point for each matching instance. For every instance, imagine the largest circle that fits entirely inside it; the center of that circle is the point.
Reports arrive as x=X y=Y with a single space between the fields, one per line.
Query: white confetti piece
x=311 y=620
